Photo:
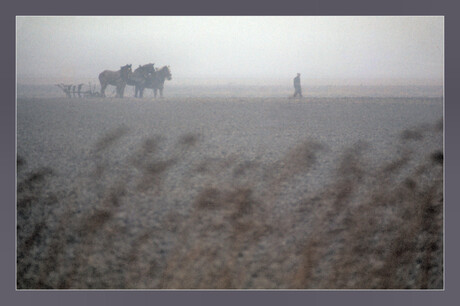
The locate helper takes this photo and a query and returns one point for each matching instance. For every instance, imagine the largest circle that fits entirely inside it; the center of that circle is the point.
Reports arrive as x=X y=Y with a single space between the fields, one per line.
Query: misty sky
x=254 y=47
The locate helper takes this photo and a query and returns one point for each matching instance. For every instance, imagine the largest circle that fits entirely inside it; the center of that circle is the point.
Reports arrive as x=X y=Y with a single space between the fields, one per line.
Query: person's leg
x=297 y=92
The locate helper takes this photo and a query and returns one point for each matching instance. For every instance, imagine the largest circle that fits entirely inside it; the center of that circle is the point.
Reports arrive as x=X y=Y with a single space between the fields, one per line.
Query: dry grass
x=371 y=227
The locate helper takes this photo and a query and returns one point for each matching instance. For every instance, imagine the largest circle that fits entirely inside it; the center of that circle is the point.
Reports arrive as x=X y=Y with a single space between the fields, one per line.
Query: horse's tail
x=103 y=82
x=102 y=78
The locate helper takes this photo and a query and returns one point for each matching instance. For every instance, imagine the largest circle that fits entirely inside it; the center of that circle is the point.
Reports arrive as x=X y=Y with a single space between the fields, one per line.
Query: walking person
x=298 y=89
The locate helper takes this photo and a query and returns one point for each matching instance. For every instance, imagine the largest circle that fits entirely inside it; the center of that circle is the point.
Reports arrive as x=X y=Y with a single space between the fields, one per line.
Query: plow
x=79 y=90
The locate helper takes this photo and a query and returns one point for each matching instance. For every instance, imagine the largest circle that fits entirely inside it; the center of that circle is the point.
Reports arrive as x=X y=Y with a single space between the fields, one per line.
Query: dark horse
x=156 y=80
x=115 y=78
x=139 y=78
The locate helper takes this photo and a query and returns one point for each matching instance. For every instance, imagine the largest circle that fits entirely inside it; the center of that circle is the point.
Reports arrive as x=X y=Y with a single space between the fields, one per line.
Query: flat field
x=230 y=192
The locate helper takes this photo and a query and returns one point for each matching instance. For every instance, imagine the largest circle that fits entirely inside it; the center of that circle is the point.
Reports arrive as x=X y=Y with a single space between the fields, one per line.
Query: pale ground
x=163 y=158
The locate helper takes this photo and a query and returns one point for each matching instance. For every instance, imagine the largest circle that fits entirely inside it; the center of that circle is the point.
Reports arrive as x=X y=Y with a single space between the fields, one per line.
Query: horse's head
x=145 y=70
x=149 y=68
x=126 y=71
x=166 y=72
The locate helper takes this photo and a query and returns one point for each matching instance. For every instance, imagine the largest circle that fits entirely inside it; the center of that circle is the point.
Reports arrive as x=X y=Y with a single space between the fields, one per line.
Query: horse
x=156 y=80
x=115 y=78
x=139 y=78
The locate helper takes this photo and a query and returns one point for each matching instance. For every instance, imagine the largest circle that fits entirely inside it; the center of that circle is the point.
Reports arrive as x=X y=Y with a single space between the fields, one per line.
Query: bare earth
x=238 y=192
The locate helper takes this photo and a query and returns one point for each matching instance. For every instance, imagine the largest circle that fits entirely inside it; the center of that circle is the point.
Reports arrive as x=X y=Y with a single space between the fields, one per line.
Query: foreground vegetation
x=246 y=227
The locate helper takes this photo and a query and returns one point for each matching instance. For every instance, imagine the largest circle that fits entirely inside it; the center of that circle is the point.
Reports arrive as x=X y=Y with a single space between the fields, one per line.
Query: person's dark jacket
x=297 y=82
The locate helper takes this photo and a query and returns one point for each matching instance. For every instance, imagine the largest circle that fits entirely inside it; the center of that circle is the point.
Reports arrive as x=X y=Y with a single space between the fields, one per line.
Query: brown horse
x=139 y=78
x=115 y=78
x=156 y=80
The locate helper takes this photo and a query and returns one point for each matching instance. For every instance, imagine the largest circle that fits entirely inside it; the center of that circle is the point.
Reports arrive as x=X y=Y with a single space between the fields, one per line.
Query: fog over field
x=326 y=47
x=227 y=181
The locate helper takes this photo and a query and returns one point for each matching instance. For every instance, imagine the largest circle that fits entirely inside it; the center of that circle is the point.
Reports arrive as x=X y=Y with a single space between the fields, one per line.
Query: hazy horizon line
x=249 y=80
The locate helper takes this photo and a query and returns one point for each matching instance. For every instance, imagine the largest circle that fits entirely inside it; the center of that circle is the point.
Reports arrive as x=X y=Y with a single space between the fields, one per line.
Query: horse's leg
x=155 y=93
x=103 y=87
x=161 y=92
x=136 y=90
x=118 y=95
x=122 y=90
